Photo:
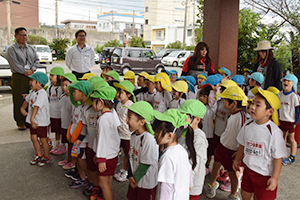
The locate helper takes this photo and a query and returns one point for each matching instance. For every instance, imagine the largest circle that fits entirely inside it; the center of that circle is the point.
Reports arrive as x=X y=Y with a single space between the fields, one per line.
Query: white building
x=163 y=35
x=120 y=23
x=79 y=24
x=171 y=12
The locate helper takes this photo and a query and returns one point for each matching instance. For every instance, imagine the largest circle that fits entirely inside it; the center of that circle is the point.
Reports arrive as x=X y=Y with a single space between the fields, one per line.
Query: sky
x=84 y=9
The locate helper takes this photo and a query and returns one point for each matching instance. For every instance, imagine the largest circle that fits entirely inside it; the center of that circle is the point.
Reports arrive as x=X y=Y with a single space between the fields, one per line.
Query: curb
x=4 y=100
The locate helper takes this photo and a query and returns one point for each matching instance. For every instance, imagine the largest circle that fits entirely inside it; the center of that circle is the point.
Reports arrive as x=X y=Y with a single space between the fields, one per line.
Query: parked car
x=173 y=58
x=164 y=52
x=106 y=56
x=44 y=53
x=135 y=59
x=181 y=60
x=96 y=58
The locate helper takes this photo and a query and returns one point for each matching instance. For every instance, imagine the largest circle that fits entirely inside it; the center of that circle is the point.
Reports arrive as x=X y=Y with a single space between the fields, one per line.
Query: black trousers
x=78 y=74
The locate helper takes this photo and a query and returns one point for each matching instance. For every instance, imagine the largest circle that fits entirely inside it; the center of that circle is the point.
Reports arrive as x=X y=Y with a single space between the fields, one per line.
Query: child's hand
x=23 y=112
x=132 y=182
x=77 y=142
x=190 y=188
x=102 y=167
x=294 y=126
x=233 y=155
x=272 y=183
x=236 y=165
x=34 y=125
x=24 y=95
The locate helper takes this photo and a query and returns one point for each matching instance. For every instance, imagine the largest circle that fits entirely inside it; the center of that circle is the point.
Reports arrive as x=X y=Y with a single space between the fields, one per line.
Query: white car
x=96 y=58
x=173 y=58
x=44 y=53
x=181 y=60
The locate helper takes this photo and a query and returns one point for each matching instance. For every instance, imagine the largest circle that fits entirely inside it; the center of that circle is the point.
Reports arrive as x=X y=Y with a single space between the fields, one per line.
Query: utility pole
x=56 y=19
x=193 y=31
x=8 y=22
x=184 y=26
x=133 y=25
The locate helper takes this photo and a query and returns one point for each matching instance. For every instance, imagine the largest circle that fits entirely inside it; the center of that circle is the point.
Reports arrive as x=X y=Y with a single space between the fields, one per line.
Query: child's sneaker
x=71 y=173
x=212 y=190
x=96 y=194
x=35 y=160
x=45 y=160
x=61 y=149
x=88 y=190
x=291 y=159
x=69 y=165
x=233 y=197
x=122 y=177
x=223 y=177
x=117 y=175
x=63 y=162
x=79 y=183
x=53 y=150
x=226 y=187
x=285 y=161
x=50 y=143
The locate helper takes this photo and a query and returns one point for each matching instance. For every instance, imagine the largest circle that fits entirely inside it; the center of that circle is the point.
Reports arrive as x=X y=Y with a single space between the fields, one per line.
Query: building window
x=146 y=21
x=78 y=26
x=147 y=9
x=158 y=35
x=99 y=25
x=189 y=32
x=116 y=25
x=103 y=25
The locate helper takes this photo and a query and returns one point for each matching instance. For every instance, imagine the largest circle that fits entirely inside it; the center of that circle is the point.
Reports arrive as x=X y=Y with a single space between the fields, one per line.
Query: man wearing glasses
x=80 y=57
x=23 y=61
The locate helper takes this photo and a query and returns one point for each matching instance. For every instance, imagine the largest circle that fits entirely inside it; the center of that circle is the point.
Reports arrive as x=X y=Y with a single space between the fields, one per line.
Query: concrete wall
x=93 y=37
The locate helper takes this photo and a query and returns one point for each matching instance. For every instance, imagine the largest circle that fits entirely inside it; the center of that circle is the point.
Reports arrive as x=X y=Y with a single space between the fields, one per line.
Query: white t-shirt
x=250 y=94
x=90 y=120
x=190 y=95
x=149 y=97
x=66 y=108
x=174 y=168
x=54 y=93
x=288 y=105
x=208 y=120
x=76 y=118
x=144 y=149
x=40 y=99
x=107 y=139
x=234 y=125
x=162 y=101
x=176 y=103
x=221 y=118
x=262 y=143
x=123 y=129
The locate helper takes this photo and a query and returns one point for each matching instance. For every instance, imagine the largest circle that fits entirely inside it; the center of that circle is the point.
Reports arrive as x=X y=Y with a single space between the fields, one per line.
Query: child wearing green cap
x=143 y=153
x=54 y=92
x=126 y=98
x=77 y=131
x=261 y=147
x=162 y=97
x=38 y=117
x=107 y=139
x=195 y=110
x=175 y=170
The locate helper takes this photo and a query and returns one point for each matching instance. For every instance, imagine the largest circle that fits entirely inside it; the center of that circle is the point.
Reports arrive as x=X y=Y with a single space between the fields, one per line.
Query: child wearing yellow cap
x=143 y=154
x=140 y=79
x=130 y=76
x=261 y=147
x=179 y=88
x=126 y=98
x=138 y=92
x=200 y=79
x=232 y=98
x=162 y=97
x=149 y=94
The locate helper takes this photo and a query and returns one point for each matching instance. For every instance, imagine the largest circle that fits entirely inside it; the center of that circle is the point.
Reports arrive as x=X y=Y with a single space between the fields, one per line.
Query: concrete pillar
x=220 y=32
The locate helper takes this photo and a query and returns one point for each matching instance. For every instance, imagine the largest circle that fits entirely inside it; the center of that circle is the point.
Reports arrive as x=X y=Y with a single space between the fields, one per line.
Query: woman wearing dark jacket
x=267 y=65
x=199 y=62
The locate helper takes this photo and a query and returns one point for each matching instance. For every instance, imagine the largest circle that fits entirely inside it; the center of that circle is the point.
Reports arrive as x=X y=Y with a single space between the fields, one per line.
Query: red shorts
x=287 y=126
x=257 y=183
x=125 y=144
x=64 y=136
x=211 y=147
x=216 y=140
x=55 y=125
x=81 y=154
x=41 y=131
x=90 y=164
x=194 y=197
x=224 y=156
x=141 y=193
x=111 y=165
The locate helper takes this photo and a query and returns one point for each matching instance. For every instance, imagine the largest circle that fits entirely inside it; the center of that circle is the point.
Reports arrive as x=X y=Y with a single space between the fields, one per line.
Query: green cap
x=71 y=77
x=83 y=86
x=95 y=86
x=113 y=74
x=145 y=110
x=57 y=71
x=126 y=86
x=105 y=93
x=93 y=79
x=40 y=77
x=176 y=118
x=193 y=107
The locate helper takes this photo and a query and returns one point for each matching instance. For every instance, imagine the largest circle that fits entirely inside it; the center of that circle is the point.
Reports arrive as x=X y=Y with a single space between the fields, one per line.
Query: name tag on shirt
x=86 y=56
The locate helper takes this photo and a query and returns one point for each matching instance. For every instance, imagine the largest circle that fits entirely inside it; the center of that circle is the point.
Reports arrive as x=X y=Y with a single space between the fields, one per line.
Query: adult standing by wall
x=23 y=61
x=199 y=62
x=80 y=57
x=266 y=64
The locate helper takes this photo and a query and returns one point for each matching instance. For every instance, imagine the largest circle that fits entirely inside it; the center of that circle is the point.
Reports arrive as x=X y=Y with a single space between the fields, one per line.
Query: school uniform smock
x=176 y=103
x=222 y=116
x=66 y=110
x=54 y=93
x=149 y=97
x=208 y=120
x=289 y=108
x=123 y=129
x=162 y=101
x=190 y=95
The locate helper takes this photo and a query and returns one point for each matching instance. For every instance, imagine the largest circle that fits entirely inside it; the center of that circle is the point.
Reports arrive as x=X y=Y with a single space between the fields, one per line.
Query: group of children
x=168 y=128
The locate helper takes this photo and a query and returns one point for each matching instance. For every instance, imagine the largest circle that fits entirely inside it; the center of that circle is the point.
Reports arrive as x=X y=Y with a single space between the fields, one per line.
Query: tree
x=111 y=43
x=74 y=41
x=199 y=23
x=137 y=42
x=59 y=46
x=175 y=45
x=36 y=39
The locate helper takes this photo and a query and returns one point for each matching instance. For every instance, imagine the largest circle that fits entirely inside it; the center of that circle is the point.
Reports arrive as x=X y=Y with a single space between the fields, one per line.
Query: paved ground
x=20 y=180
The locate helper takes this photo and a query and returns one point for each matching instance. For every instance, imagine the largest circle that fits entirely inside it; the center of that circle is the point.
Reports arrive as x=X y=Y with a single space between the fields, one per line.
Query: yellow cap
x=180 y=86
x=272 y=99
x=143 y=74
x=164 y=80
x=150 y=78
x=233 y=93
x=201 y=76
x=86 y=76
x=129 y=75
x=228 y=83
x=273 y=89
